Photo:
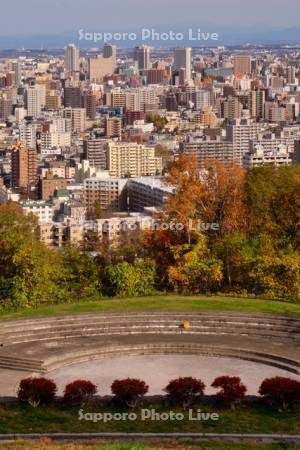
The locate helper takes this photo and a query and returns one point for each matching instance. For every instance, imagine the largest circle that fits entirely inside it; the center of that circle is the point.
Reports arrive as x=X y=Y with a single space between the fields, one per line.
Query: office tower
x=142 y=56
x=72 y=97
x=72 y=58
x=34 y=100
x=94 y=151
x=23 y=167
x=183 y=60
x=113 y=127
x=256 y=103
x=109 y=51
x=242 y=64
x=130 y=159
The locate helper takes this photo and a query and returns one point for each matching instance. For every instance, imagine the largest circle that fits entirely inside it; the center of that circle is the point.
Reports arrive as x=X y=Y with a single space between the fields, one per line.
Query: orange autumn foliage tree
x=214 y=194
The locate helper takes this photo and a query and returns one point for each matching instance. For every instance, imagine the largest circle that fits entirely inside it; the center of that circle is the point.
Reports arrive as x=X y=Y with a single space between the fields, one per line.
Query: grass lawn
x=46 y=444
x=163 y=303
x=253 y=418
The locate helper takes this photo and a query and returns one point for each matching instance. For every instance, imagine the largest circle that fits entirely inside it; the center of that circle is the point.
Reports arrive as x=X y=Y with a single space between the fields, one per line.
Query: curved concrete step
x=71 y=358
x=70 y=329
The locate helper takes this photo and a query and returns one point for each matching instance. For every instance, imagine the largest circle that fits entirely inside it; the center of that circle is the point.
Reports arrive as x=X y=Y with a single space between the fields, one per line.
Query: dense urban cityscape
x=86 y=132
x=150 y=246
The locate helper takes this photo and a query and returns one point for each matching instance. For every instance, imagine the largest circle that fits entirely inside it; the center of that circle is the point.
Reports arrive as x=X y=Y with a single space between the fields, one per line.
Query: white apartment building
x=131 y=159
x=42 y=210
x=258 y=156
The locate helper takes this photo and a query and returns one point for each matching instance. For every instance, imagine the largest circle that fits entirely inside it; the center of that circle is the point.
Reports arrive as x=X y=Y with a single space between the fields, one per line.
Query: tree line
x=254 y=250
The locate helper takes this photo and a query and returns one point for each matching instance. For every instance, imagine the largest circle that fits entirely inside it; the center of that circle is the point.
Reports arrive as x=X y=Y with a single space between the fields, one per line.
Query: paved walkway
x=156 y=370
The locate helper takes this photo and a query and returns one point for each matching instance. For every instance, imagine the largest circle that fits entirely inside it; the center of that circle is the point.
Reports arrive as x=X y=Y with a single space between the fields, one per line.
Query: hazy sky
x=59 y=16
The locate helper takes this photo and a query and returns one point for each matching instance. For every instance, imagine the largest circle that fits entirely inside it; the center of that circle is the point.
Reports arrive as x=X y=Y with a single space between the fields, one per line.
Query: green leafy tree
x=30 y=273
x=196 y=270
x=82 y=274
x=130 y=280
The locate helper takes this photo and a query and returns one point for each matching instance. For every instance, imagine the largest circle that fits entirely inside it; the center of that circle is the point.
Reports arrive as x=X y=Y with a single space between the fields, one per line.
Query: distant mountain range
x=235 y=35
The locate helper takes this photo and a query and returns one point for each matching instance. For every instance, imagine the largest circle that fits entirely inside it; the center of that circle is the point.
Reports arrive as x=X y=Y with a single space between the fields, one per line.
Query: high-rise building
x=72 y=58
x=142 y=56
x=239 y=133
x=90 y=103
x=23 y=167
x=201 y=99
x=232 y=109
x=183 y=60
x=291 y=75
x=5 y=107
x=113 y=127
x=28 y=134
x=109 y=51
x=34 y=100
x=257 y=101
x=78 y=118
x=94 y=151
x=131 y=159
x=16 y=66
x=107 y=192
x=242 y=64
x=210 y=149
x=72 y=97
x=99 y=67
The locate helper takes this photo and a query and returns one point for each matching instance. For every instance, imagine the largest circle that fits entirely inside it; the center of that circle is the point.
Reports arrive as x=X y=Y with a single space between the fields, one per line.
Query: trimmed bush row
x=279 y=392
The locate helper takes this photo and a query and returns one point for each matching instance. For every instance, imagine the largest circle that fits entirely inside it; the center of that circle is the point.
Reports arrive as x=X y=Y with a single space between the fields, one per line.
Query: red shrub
x=232 y=389
x=280 y=391
x=129 y=391
x=79 y=392
x=185 y=390
x=37 y=391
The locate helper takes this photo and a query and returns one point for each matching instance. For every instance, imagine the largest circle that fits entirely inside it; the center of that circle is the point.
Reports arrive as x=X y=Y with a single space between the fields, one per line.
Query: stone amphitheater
x=49 y=344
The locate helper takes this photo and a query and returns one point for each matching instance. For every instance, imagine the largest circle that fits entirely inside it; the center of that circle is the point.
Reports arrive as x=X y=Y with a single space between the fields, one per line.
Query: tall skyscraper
x=16 y=66
x=183 y=60
x=142 y=56
x=72 y=58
